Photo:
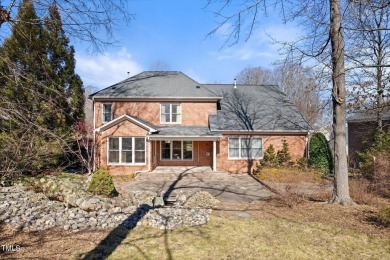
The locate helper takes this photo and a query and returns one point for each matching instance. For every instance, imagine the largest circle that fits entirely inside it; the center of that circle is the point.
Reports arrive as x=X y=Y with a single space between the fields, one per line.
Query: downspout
x=307 y=145
x=94 y=137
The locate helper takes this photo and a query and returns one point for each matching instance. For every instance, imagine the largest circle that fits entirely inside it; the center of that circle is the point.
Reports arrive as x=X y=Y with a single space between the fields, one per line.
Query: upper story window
x=170 y=113
x=107 y=112
x=245 y=148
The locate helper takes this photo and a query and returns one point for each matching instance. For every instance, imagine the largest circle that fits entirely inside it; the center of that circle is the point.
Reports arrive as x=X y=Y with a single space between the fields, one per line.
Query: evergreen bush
x=269 y=158
x=102 y=184
x=321 y=156
x=283 y=156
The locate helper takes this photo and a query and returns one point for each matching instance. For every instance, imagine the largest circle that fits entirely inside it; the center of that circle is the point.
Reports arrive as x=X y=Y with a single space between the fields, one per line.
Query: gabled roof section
x=142 y=123
x=255 y=108
x=156 y=84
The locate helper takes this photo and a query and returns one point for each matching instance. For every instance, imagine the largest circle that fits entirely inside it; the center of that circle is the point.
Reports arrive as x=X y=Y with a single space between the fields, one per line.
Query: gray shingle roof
x=185 y=131
x=256 y=108
x=368 y=116
x=151 y=84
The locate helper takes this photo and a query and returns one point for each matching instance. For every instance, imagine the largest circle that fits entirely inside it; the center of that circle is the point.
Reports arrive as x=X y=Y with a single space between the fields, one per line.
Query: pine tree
x=41 y=97
x=61 y=59
x=23 y=63
x=283 y=156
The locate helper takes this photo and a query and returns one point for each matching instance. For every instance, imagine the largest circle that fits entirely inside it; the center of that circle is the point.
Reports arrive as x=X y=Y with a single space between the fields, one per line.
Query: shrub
x=360 y=190
x=291 y=195
x=321 y=155
x=378 y=170
x=102 y=184
x=269 y=158
x=383 y=216
x=302 y=163
x=283 y=156
x=380 y=145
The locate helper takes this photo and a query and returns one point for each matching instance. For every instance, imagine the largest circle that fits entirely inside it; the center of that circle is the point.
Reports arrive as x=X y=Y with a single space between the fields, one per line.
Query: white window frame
x=170 y=113
x=103 y=117
x=239 y=148
x=181 y=150
x=120 y=150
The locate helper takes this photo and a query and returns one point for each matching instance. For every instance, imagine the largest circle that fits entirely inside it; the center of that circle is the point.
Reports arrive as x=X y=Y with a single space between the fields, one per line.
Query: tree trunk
x=341 y=188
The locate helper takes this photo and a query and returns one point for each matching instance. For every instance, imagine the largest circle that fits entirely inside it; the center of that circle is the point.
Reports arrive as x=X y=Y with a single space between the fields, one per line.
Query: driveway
x=232 y=188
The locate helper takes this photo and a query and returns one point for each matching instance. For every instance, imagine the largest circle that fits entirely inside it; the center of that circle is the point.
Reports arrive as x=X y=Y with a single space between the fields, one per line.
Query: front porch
x=184 y=147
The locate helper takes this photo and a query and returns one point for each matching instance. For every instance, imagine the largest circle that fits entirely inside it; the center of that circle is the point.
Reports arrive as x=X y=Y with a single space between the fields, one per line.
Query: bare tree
x=85 y=144
x=27 y=142
x=256 y=76
x=322 y=21
x=368 y=55
x=88 y=21
x=299 y=83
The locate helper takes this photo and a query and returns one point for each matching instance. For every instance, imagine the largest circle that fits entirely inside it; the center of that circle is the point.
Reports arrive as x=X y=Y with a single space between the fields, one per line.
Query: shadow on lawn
x=109 y=244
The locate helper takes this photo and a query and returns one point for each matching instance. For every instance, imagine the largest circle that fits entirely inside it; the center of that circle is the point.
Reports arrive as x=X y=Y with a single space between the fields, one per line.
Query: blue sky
x=174 y=32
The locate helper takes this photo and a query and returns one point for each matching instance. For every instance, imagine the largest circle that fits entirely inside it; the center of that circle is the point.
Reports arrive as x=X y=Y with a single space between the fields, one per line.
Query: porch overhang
x=184 y=138
x=193 y=133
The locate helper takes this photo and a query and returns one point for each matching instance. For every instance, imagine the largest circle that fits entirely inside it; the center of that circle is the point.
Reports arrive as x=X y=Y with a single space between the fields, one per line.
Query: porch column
x=214 y=156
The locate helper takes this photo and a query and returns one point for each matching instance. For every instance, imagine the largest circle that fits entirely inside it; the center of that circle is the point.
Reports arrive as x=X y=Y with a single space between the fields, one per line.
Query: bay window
x=126 y=150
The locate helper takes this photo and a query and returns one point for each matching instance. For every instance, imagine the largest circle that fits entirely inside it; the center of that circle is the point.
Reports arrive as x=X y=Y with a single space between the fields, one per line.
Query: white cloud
x=106 y=69
x=259 y=44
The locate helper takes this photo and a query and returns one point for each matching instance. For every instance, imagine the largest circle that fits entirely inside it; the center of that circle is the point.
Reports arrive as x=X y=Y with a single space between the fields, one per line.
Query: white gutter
x=135 y=98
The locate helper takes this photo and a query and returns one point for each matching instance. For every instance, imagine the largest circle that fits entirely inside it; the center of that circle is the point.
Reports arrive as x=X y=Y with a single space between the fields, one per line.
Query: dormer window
x=170 y=113
x=107 y=112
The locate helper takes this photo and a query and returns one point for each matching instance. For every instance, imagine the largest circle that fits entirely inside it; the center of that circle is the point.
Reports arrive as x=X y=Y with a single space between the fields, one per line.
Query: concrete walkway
x=232 y=188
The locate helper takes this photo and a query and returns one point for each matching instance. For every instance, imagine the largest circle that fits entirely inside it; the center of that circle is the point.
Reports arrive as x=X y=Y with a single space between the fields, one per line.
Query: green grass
x=256 y=238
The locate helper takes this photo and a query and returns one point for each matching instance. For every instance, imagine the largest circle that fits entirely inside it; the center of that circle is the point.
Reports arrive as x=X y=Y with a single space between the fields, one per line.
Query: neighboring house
x=361 y=127
x=168 y=119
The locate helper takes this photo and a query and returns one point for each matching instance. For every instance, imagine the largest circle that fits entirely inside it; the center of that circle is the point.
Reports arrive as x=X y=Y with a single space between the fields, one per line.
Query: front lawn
x=254 y=238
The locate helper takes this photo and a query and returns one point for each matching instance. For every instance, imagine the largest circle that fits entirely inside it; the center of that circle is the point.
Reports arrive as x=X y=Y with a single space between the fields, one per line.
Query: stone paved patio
x=235 y=188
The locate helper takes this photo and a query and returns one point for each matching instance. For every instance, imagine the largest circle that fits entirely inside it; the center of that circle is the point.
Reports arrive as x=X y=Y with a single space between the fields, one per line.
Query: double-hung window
x=106 y=112
x=176 y=150
x=170 y=113
x=126 y=150
x=245 y=148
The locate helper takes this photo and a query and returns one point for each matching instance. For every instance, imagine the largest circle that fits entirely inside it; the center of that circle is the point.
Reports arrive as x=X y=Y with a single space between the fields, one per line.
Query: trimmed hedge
x=102 y=184
x=321 y=156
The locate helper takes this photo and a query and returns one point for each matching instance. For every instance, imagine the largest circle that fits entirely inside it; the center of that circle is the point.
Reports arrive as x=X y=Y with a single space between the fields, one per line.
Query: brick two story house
x=168 y=119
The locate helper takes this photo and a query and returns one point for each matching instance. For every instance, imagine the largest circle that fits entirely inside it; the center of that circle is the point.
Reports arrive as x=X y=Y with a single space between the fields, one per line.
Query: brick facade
x=358 y=133
x=202 y=155
x=122 y=129
x=193 y=113
x=297 y=148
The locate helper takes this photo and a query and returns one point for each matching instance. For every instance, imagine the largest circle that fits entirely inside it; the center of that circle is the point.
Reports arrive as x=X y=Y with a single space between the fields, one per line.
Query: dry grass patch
x=290 y=175
x=273 y=238
x=361 y=192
